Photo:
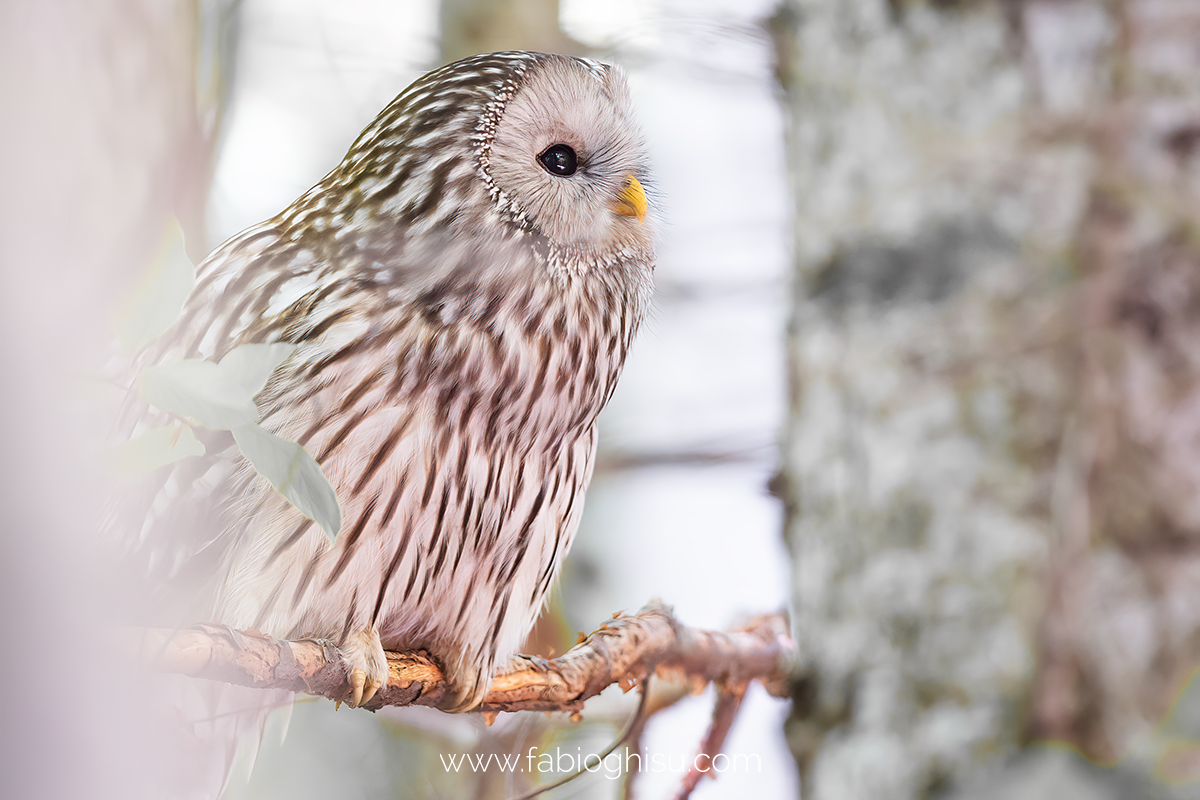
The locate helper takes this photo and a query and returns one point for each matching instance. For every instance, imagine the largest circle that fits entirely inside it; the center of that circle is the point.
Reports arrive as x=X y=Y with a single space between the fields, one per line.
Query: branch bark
x=624 y=651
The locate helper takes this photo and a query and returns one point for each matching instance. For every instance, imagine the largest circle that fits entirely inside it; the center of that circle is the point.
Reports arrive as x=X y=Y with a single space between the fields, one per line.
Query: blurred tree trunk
x=992 y=467
x=106 y=137
x=484 y=26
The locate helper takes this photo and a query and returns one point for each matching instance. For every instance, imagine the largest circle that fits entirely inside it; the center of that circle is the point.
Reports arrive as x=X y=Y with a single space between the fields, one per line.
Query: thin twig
x=729 y=701
x=634 y=724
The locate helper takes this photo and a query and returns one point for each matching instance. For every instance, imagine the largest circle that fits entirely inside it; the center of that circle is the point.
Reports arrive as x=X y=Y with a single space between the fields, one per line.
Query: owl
x=461 y=290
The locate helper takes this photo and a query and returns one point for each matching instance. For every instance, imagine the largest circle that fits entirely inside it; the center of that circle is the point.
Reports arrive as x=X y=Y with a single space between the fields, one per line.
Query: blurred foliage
x=220 y=396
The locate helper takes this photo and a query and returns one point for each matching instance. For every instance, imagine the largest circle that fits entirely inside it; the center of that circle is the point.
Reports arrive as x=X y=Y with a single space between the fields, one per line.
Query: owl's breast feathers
x=453 y=410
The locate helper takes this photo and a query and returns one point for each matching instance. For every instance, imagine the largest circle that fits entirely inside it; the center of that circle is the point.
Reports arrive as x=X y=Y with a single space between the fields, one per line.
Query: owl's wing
x=170 y=525
x=265 y=285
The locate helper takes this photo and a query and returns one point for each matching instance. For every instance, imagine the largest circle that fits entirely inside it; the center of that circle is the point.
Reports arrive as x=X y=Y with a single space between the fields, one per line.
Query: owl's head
x=530 y=142
x=568 y=155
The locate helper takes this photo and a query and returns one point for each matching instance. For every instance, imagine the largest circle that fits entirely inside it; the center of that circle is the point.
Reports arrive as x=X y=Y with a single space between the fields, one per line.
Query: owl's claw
x=362 y=689
x=366 y=667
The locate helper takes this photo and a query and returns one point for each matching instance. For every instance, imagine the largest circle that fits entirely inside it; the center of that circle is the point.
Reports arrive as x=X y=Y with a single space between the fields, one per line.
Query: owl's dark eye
x=559 y=159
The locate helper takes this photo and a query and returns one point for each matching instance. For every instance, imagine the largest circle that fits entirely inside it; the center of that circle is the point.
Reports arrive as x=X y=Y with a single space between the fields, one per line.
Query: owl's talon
x=371 y=688
x=358 y=679
x=366 y=667
x=362 y=689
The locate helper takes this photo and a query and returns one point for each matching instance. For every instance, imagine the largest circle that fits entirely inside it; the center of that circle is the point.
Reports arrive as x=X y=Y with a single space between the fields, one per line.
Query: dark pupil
x=559 y=160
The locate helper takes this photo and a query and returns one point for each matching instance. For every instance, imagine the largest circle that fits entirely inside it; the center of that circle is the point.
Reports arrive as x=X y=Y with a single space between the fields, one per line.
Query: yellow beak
x=631 y=202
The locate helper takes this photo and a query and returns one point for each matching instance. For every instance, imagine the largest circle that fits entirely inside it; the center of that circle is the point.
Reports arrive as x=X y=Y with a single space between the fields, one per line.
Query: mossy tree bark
x=991 y=464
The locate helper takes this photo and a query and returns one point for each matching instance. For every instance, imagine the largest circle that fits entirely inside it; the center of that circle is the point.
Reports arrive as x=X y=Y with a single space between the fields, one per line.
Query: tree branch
x=729 y=701
x=623 y=651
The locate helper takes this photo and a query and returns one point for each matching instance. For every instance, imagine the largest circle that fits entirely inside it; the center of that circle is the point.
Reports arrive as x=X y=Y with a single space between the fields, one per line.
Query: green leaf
x=293 y=472
x=155 y=448
x=218 y=396
x=250 y=366
x=221 y=397
x=156 y=299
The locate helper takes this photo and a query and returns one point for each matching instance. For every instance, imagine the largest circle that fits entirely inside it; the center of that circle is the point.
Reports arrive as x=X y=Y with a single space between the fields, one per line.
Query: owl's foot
x=468 y=685
x=366 y=666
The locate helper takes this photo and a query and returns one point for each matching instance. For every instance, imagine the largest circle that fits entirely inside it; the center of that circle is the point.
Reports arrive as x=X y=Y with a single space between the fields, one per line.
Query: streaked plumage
x=462 y=315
